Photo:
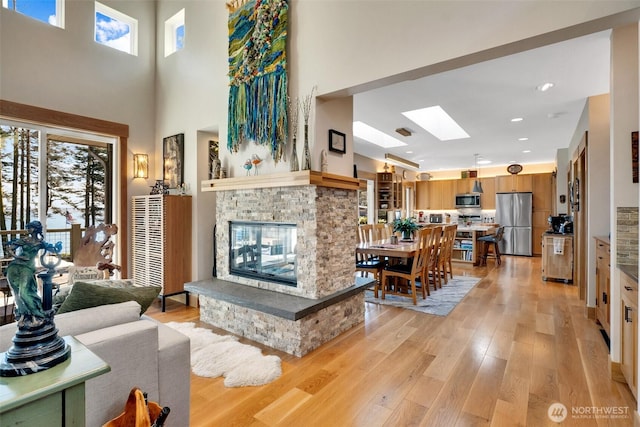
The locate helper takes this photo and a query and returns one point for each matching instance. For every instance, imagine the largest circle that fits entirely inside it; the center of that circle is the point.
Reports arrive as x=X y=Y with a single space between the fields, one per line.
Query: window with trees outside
x=54 y=176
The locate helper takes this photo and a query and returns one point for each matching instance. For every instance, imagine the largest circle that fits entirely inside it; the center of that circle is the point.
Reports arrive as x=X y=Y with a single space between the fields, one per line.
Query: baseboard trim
x=615 y=368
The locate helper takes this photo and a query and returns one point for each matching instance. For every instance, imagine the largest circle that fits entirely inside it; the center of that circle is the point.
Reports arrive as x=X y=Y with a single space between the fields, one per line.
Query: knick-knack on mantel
x=306 y=112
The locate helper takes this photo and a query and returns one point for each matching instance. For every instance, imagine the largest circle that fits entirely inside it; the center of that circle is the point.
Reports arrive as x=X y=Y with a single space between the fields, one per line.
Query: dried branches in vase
x=293 y=119
x=306 y=112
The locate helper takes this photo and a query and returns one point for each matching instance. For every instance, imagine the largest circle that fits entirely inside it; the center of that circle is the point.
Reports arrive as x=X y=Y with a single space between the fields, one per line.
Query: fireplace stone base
x=289 y=323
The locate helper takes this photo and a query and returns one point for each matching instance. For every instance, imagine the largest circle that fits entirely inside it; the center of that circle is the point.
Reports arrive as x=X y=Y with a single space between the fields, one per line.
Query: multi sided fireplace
x=263 y=250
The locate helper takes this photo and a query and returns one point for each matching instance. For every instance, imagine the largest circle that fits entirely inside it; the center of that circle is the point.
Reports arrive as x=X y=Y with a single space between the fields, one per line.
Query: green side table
x=54 y=397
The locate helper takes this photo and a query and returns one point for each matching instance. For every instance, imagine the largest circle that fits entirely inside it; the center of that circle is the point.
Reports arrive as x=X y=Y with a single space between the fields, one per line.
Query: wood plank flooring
x=511 y=348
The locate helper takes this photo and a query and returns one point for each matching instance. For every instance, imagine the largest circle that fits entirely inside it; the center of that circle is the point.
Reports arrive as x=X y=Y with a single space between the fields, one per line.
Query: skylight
x=116 y=30
x=437 y=122
x=374 y=136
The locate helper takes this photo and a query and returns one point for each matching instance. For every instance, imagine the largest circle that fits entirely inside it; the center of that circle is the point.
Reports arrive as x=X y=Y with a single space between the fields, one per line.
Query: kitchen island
x=466 y=247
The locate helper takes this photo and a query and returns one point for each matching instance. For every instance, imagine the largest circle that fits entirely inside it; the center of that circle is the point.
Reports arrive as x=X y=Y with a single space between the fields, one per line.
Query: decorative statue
x=21 y=274
x=36 y=344
x=324 y=165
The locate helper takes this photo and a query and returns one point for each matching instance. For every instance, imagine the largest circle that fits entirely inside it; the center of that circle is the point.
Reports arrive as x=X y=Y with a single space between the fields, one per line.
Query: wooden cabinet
x=557 y=257
x=464 y=247
x=488 y=198
x=629 y=331
x=542 y=207
x=464 y=185
x=603 y=275
x=511 y=183
x=442 y=194
x=161 y=243
x=422 y=195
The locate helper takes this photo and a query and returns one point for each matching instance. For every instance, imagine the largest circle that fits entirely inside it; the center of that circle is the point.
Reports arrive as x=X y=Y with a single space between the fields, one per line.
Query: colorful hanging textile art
x=258 y=75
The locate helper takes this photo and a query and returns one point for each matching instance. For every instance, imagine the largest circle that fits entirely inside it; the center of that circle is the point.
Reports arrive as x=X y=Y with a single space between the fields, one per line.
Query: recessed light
x=526 y=151
x=517 y=119
x=484 y=162
x=409 y=152
x=545 y=86
x=523 y=139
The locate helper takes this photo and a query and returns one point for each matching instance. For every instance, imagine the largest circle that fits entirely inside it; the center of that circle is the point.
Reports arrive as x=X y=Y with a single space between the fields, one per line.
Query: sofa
x=141 y=352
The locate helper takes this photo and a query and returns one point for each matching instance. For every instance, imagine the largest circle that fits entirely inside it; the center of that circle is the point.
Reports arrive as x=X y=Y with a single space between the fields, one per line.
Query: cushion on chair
x=370 y=264
x=399 y=268
x=86 y=295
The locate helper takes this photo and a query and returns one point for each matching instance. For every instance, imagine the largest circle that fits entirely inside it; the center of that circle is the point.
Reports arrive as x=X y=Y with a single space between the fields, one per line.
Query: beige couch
x=141 y=353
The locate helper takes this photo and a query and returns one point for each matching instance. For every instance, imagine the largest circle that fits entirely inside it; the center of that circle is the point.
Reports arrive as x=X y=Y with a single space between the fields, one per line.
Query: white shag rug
x=213 y=355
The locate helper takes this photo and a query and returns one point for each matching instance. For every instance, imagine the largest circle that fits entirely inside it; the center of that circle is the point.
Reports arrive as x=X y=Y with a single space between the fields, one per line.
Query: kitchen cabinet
x=448 y=194
x=603 y=275
x=629 y=332
x=488 y=198
x=557 y=257
x=436 y=189
x=512 y=183
x=464 y=185
x=422 y=195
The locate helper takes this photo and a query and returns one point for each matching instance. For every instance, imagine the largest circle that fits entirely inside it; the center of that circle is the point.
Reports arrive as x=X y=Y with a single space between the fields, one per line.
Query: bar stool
x=491 y=242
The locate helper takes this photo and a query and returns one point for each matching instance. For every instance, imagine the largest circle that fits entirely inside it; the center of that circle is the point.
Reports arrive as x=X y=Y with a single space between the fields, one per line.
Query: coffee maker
x=556 y=223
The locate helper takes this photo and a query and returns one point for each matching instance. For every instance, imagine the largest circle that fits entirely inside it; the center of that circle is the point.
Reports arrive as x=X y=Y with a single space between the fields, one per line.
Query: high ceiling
x=484 y=97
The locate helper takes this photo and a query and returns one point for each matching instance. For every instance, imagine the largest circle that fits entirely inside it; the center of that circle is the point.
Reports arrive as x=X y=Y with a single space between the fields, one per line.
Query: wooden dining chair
x=446 y=253
x=410 y=273
x=433 y=265
x=366 y=264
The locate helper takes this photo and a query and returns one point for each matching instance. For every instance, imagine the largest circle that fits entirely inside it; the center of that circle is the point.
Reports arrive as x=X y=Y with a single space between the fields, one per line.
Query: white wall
x=598 y=184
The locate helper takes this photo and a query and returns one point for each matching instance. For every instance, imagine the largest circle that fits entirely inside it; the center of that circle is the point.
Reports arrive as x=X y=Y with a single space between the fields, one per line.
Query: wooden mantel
x=283 y=179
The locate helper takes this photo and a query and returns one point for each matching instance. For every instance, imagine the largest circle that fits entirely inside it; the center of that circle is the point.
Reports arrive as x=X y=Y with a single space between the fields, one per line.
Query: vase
x=306 y=163
x=406 y=235
x=294 y=157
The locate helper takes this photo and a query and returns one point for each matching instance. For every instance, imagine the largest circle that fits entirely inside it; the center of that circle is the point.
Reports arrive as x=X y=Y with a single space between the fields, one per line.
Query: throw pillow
x=86 y=295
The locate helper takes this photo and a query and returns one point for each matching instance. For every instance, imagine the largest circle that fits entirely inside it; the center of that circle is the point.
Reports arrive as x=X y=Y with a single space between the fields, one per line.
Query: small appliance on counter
x=560 y=224
x=435 y=218
x=421 y=216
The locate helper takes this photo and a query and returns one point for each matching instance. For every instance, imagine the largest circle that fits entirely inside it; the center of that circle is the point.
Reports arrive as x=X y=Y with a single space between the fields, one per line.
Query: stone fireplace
x=326 y=300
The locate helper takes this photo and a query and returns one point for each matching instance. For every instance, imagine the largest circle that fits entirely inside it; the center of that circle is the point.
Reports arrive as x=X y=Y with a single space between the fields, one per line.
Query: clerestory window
x=116 y=29
x=174 y=33
x=48 y=11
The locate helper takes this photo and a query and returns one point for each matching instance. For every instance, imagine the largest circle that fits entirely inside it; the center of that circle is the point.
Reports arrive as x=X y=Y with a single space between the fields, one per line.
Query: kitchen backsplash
x=627 y=235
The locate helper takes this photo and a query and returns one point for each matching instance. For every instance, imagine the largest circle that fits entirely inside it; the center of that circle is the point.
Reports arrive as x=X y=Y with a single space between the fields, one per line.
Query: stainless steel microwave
x=467 y=200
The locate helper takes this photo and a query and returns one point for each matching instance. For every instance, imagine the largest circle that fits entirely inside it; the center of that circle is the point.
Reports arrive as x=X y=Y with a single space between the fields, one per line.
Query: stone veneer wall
x=627 y=235
x=326 y=219
x=293 y=337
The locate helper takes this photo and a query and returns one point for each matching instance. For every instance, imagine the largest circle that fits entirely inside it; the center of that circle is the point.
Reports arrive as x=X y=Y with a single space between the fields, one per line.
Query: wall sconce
x=140 y=166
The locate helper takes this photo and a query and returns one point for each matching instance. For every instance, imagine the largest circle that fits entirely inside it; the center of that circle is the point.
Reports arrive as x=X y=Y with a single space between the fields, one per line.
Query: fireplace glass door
x=263 y=250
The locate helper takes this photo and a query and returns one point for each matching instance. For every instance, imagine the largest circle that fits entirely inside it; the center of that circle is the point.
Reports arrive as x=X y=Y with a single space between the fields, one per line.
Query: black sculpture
x=36 y=345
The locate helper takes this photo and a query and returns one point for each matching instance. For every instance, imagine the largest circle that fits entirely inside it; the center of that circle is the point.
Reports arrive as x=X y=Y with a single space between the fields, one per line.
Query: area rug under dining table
x=439 y=303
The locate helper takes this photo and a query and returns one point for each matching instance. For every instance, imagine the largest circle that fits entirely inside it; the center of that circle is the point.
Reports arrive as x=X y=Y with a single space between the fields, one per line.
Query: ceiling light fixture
x=397 y=159
x=545 y=86
x=477 y=185
x=437 y=122
x=374 y=136
x=404 y=131
x=523 y=139
x=517 y=119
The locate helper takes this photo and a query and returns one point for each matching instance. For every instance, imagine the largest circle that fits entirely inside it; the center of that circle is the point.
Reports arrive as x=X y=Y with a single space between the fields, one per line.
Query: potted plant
x=406 y=226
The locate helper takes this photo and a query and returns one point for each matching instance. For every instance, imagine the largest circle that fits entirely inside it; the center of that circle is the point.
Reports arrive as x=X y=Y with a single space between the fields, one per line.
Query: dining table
x=385 y=248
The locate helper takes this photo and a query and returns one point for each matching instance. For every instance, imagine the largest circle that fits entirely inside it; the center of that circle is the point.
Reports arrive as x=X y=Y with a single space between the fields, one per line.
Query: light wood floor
x=511 y=348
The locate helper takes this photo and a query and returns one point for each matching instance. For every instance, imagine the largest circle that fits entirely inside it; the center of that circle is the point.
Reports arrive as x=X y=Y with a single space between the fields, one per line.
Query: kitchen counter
x=476 y=227
x=629 y=270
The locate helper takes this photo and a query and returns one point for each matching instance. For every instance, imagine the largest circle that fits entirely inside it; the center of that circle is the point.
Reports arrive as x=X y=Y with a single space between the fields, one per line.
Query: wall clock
x=514 y=169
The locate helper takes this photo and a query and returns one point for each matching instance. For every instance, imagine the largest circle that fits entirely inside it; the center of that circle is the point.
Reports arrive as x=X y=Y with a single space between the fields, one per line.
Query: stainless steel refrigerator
x=514 y=211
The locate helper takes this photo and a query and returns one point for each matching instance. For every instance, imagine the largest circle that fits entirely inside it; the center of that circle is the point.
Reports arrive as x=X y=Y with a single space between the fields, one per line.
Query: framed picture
x=337 y=141
x=634 y=155
x=173 y=160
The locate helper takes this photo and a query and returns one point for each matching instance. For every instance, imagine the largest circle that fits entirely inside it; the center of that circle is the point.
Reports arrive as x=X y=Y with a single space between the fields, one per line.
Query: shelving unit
x=464 y=247
x=388 y=194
